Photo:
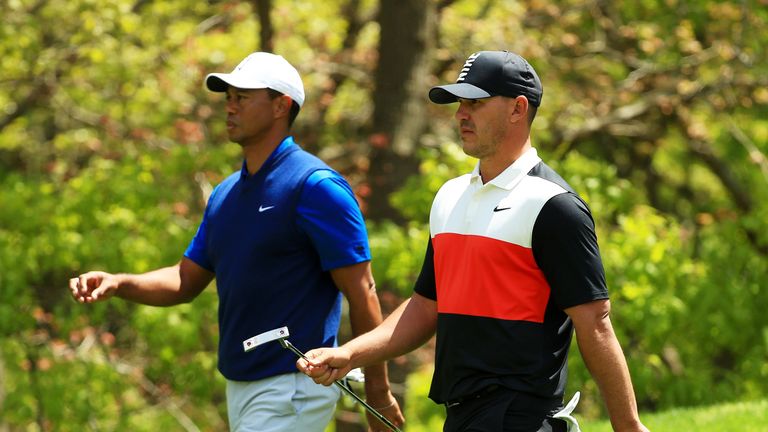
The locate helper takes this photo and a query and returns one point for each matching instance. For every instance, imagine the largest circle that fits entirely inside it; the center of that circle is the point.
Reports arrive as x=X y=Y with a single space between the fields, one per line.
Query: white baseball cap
x=258 y=71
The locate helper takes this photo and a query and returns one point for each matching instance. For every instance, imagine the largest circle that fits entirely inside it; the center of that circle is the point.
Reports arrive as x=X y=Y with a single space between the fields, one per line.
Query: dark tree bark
x=399 y=120
x=263 y=9
x=399 y=117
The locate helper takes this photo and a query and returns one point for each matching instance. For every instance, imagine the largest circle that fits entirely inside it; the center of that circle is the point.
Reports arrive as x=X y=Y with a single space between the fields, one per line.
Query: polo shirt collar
x=514 y=173
x=284 y=145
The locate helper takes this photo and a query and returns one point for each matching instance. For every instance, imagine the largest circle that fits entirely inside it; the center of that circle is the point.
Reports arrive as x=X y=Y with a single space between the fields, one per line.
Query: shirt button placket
x=471 y=213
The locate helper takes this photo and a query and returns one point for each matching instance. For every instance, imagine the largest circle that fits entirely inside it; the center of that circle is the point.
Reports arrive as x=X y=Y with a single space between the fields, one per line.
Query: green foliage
x=397 y=255
x=111 y=215
x=667 y=286
x=653 y=111
x=398 y=251
x=428 y=415
x=438 y=165
x=742 y=416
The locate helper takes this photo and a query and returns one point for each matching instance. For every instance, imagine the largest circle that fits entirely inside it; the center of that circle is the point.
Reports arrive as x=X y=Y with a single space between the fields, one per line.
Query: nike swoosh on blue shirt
x=263 y=209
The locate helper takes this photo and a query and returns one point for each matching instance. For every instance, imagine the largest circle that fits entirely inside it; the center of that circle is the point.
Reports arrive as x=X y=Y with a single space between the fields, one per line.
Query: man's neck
x=492 y=166
x=256 y=153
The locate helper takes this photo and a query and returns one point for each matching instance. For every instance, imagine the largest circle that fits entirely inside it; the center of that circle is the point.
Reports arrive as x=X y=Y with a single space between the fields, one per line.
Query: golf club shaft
x=286 y=344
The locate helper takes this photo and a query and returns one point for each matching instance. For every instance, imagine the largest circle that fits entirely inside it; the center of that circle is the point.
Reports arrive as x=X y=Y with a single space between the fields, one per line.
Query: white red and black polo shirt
x=504 y=259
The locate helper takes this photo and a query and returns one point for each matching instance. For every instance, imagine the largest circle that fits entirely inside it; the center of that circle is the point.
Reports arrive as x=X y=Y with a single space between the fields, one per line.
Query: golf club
x=281 y=334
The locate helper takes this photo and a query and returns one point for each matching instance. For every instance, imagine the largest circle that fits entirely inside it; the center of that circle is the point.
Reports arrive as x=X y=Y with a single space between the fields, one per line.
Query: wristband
x=386 y=407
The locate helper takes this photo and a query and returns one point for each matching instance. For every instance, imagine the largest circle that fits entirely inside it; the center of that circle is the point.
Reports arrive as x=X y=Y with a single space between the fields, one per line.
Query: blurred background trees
x=653 y=110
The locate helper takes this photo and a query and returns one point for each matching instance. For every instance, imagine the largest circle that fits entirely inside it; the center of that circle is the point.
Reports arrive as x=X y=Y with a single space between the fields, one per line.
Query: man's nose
x=461 y=112
x=231 y=106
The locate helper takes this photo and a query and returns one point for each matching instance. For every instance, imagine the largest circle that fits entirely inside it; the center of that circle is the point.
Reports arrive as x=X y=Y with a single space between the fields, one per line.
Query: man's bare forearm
x=605 y=360
x=167 y=286
x=407 y=328
x=161 y=287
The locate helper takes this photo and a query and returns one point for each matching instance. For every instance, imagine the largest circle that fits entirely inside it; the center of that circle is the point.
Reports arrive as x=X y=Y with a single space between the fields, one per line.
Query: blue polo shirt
x=271 y=239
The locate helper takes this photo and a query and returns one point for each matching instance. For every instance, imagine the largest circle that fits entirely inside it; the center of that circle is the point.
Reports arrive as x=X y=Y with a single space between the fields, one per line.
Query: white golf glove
x=565 y=414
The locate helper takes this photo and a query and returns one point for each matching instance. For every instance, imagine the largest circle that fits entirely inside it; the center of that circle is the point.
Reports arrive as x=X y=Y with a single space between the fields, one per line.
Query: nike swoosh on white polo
x=263 y=209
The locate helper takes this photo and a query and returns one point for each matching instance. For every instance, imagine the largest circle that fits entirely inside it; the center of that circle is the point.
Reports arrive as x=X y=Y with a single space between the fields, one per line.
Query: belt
x=472 y=396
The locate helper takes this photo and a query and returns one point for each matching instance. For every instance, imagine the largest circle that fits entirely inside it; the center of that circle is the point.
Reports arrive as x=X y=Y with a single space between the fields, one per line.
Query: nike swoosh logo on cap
x=497 y=209
x=263 y=209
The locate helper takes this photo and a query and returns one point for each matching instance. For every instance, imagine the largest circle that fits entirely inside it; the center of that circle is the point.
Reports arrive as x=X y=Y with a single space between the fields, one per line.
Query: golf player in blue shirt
x=285 y=239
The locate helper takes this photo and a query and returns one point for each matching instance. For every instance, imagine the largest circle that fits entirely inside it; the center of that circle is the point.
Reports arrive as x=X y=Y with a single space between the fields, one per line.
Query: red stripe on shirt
x=482 y=276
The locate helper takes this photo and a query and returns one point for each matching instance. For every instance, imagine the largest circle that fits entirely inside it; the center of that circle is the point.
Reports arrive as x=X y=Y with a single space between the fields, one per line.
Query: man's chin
x=468 y=147
x=237 y=139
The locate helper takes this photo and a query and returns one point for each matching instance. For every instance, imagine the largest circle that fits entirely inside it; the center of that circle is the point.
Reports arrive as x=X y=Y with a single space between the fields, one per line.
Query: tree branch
x=340 y=68
x=27 y=103
x=702 y=148
x=755 y=155
x=85 y=352
x=442 y=4
x=139 y=5
x=263 y=9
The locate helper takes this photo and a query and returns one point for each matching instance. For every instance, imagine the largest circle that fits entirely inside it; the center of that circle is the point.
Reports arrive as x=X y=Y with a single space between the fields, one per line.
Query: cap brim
x=453 y=92
x=219 y=82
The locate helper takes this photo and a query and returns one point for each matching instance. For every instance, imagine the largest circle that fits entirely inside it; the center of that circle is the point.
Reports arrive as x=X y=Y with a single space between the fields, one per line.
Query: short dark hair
x=295 y=108
x=532 y=109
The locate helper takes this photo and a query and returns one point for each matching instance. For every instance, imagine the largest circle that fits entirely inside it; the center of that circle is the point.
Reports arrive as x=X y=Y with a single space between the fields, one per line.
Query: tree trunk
x=399 y=120
x=399 y=117
x=263 y=10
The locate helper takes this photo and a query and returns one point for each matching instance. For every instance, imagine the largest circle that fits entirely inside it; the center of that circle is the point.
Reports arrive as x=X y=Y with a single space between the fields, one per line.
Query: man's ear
x=282 y=106
x=519 y=111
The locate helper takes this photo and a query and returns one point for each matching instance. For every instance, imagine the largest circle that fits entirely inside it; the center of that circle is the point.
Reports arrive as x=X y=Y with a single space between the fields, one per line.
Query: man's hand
x=165 y=286
x=93 y=286
x=326 y=365
x=386 y=406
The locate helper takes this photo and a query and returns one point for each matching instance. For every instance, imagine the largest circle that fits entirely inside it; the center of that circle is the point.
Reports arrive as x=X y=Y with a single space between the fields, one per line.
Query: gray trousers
x=289 y=402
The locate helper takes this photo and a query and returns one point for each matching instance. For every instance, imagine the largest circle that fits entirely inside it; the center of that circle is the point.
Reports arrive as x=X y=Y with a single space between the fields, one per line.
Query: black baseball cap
x=492 y=73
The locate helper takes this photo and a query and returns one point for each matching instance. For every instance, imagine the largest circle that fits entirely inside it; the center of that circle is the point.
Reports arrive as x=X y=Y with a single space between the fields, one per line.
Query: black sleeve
x=565 y=248
x=425 y=284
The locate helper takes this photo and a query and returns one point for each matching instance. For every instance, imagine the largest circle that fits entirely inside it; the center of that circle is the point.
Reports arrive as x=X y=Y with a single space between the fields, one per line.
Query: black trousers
x=503 y=411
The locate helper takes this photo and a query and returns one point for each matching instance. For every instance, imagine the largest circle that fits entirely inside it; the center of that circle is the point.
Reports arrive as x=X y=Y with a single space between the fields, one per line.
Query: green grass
x=732 y=417
x=741 y=417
